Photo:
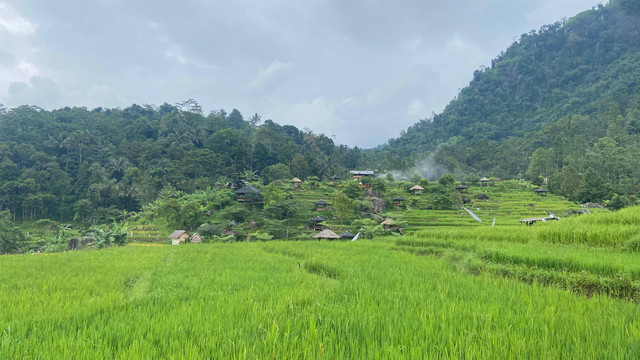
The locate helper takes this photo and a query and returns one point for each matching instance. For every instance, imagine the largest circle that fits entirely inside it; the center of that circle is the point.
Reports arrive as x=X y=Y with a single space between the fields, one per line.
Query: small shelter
x=317 y=223
x=296 y=182
x=397 y=201
x=357 y=174
x=541 y=192
x=178 y=236
x=462 y=188
x=485 y=181
x=321 y=205
x=326 y=234
x=404 y=179
x=195 y=239
x=417 y=190
x=335 y=178
x=347 y=235
x=244 y=191
x=389 y=225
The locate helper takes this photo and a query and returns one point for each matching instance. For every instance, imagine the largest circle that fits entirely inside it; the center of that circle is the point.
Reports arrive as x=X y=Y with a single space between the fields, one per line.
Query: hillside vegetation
x=560 y=103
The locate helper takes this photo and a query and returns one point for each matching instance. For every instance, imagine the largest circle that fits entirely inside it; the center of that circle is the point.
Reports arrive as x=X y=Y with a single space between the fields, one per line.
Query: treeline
x=89 y=165
x=562 y=102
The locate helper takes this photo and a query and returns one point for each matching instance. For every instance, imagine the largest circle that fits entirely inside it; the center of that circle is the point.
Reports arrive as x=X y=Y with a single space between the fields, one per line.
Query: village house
x=178 y=236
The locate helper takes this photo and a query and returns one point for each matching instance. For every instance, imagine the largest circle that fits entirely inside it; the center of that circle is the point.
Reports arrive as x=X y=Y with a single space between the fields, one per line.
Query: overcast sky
x=361 y=71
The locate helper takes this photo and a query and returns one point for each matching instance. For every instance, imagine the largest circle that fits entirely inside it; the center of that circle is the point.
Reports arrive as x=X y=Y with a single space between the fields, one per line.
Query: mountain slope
x=587 y=66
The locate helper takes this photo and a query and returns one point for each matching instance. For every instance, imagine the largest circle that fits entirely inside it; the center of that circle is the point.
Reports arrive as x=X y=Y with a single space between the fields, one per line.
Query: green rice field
x=451 y=288
x=328 y=300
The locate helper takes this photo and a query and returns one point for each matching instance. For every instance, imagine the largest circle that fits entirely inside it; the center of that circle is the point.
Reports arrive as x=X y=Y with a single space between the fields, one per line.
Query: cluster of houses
x=181 y=236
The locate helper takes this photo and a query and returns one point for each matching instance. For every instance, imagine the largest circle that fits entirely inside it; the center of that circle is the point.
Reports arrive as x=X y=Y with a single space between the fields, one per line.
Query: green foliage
x=210 y=230
x=447 y=180
x=353 y=190
x=343 y=205
x=10 y=235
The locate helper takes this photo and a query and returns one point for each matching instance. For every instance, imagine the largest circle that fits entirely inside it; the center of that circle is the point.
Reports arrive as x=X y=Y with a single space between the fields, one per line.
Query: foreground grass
x=293 y=300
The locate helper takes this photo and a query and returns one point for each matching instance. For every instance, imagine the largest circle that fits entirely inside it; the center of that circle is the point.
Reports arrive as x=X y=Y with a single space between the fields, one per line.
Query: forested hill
x=571 y=90
x=89 y=164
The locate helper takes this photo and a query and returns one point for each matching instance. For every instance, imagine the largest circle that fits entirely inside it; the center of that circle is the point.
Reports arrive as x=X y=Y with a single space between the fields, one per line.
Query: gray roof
x=326 y=234
x=361 y=172
x=176 y=234
x=347 y=234
x=318 y=219
x=321 y=202
x=247 y=189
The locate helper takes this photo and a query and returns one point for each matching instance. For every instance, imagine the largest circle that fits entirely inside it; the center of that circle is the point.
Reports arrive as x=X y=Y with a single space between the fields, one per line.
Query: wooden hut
x=296 y=182
x=195 y=239
x=389 y=225
x=397 y=201
x=321 y=205
x=347 y=235
x=357 y=174
x=317 y=223
x=417 y=190
x=462 y=189
x=178 y=236
x=485 y=181
x=326 y=234
x=541 y=192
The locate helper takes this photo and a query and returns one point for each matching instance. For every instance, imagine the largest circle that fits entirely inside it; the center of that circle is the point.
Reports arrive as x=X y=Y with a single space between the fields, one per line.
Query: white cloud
x=415 y=110
x=265 y=76
x=13 y=23
x=171 y=54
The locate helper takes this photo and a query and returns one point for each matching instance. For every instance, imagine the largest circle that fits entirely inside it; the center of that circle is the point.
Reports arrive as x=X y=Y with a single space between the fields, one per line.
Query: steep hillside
x=565 y=88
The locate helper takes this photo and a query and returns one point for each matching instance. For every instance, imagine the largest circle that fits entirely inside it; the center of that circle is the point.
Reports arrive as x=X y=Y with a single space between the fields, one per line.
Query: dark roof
x=318 y=219
x=347 y=234
x=398 y=199
x=335 y=177
x=321 y=202
x=541 y=190
x=462 y=187
x=247 y=189
x=361 y=172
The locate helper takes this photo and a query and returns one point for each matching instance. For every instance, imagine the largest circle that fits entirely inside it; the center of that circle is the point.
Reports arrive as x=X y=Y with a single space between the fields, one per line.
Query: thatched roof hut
x=541 y=192
x=484 y=181
x=321 y=205
x=247 y=189
x=326 y=234
x=296 y=180
x=461 y=188
x=195 y=239
x=347 y=235
x=178 y=236
x=388 y=222
x=416 y=190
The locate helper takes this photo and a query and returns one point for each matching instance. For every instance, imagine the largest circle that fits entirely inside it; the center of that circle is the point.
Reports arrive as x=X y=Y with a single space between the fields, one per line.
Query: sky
x=358 y=71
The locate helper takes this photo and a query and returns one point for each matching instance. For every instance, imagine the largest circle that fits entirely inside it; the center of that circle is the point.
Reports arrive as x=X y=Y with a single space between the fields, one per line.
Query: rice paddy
x=451 y=288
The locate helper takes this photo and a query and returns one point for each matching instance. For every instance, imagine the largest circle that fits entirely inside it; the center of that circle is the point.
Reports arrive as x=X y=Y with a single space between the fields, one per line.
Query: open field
x=450 y=288
x=302 y=300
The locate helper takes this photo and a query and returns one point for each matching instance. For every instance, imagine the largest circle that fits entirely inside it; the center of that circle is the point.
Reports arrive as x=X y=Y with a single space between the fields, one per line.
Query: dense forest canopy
x=86 y=165
x=561 y=105
x=562 y=102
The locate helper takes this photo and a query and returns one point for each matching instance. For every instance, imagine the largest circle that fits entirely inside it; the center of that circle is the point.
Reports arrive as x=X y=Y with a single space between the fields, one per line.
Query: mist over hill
x=563 y=99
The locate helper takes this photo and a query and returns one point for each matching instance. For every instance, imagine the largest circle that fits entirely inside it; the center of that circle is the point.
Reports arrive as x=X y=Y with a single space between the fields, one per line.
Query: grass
x=452 y=288
x=277 y=300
